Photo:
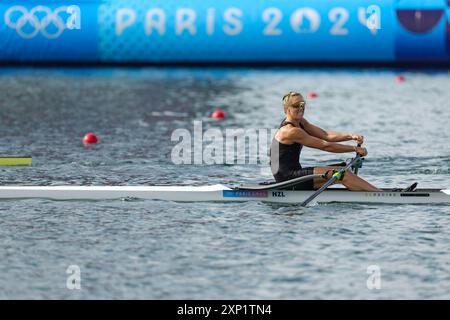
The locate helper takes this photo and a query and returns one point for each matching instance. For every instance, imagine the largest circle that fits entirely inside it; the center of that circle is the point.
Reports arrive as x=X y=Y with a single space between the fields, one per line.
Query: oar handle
x=357 y=166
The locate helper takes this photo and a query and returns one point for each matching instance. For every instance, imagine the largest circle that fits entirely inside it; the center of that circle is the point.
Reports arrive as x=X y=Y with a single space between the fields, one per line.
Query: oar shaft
x=330 y=182
x=281 y=185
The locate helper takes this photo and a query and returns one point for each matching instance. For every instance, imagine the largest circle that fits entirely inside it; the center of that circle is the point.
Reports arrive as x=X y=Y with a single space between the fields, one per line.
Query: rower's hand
x=358 y=138
x=361 y=151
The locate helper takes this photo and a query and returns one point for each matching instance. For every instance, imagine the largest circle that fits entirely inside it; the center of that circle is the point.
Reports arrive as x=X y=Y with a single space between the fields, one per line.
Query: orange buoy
x=90 y=138
x=312 y=95
x=218 y=114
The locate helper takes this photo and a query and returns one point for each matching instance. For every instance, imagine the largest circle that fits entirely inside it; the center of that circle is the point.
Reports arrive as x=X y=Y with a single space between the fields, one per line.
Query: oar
x=336 y=176
x=358 y=164
x=280 y=185
x=16 y=161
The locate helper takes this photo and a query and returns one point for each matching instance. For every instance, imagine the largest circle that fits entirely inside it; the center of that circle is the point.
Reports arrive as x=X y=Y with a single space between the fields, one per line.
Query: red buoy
x=218 y=114
x=400 y=78
x=90 y=138
x=312 y=95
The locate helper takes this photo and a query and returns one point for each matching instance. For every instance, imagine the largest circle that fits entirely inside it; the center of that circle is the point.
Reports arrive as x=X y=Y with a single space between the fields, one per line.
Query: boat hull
x=220 y=193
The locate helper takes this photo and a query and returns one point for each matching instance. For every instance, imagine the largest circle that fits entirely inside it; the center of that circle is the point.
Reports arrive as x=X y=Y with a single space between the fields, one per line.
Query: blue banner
x=225 y=31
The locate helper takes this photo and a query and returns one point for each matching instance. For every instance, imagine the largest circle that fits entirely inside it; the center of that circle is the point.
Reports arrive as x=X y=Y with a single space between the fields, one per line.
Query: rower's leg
x=351 y=180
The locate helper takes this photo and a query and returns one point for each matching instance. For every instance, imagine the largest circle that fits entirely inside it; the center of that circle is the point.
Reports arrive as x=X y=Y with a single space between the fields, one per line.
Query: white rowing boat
x=277 y=192
x=221 y=193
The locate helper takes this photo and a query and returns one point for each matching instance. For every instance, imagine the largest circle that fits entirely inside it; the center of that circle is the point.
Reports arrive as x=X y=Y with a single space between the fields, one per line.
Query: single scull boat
x=221 y=193
x=282 y=192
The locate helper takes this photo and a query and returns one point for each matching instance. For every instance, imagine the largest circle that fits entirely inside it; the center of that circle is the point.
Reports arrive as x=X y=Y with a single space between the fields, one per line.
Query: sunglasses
x=300 y=104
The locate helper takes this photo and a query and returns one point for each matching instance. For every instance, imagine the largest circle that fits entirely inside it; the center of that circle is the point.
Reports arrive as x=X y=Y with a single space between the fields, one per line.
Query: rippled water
x=155 y=249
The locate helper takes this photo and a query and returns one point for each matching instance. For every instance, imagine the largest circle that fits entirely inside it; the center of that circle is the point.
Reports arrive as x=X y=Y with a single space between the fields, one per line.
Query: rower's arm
x=330 y=136
x=300 y=136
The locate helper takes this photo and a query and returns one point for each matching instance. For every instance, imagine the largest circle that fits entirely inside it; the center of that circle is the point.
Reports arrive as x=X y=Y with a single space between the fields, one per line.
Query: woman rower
x=294 y=133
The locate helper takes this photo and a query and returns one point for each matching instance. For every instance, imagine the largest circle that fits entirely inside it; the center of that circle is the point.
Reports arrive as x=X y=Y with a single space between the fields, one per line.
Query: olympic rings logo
x=51 y=19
